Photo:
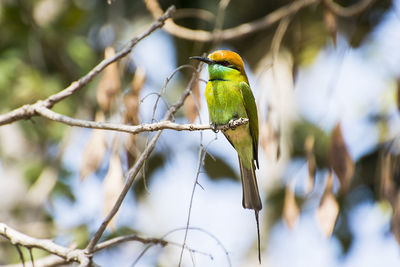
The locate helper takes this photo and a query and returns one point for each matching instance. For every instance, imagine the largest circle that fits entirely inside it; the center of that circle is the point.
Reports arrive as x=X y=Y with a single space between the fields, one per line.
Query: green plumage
x=229 y=97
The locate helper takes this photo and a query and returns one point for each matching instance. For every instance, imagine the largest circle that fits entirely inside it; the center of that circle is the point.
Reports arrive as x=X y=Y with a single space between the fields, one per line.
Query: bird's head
x=224 y=64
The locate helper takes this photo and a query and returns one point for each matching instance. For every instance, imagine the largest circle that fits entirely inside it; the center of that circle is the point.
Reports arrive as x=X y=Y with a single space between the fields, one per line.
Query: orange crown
x=232 y=57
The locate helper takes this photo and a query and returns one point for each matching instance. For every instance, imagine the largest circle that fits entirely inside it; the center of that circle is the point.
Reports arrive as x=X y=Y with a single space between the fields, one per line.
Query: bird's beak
x=204 y=59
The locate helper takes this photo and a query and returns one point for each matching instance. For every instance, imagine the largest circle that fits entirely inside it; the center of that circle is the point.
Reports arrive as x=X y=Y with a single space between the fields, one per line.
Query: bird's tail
x=251 y=196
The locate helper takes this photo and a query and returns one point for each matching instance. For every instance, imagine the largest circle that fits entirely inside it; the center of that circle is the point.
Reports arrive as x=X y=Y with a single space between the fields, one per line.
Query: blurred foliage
x=217 y=168
x=45 y=45
x=32 y=172
x=154 y=163
x=303 y=129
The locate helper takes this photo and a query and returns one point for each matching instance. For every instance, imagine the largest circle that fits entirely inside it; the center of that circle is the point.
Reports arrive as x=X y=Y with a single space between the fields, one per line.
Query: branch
x=18 y=238
x=145 y=127
x=48 y=261
x=138 y=165
x=229 y=34
x=121 y=239
x=350 y=11
x=194 y=13
x=28 y=111
x=62 y=255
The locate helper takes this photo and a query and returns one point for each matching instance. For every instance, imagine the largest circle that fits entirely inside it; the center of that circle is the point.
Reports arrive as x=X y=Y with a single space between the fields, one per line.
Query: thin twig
x=31 y=257
x=191 y=250
x=202 y=154
x=194 y=13
x=121 y=239
x=219 y=22
x=28 y=111
x=138 y=165
x=232 y=33
x=278 y=36
x=350 y=11
x=207 y=233
x=48 y=261
x=20 y=254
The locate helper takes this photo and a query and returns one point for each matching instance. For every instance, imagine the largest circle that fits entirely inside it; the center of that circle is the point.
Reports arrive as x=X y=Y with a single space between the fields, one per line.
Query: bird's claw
x=232 y=124
x=214 y=127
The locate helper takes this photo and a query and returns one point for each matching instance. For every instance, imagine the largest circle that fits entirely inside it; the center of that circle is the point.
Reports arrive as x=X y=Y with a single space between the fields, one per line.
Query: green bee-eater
x=229 y=97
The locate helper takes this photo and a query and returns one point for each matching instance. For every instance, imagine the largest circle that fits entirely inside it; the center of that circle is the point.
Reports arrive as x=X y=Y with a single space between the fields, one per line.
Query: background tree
x=325 y=75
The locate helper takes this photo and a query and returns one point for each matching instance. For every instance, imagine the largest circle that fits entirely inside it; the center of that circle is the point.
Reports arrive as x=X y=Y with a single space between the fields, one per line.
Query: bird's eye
x=225 y=63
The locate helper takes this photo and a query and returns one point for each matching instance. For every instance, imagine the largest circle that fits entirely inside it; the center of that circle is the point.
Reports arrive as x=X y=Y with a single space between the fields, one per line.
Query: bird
x=229 y=97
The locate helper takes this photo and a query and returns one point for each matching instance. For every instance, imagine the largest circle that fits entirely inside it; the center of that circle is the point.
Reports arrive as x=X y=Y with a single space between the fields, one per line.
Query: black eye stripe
x=223 y=63
x=227 y=64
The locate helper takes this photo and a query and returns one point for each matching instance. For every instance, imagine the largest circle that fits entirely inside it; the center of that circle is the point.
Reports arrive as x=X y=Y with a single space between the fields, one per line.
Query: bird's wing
x=251 y=109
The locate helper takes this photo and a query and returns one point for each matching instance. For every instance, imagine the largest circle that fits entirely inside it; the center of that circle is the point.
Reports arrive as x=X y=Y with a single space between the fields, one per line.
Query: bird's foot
x=232 y=124
x=214 y=127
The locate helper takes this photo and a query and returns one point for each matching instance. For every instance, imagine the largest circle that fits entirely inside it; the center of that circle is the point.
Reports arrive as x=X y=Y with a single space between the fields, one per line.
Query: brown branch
x=151 y=241
x=228 y=34
x=194 y=13
x=48 y=261
x=121 y=239
x=28 y=111
x=62 y=255
x=350 y=11
x=20 y=239
x=145 y=127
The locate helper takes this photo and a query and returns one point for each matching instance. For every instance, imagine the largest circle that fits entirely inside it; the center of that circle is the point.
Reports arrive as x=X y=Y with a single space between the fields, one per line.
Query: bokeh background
x=327 y=93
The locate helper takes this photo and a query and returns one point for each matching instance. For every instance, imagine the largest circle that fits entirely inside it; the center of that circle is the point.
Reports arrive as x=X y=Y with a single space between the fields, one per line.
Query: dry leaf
x=269 y=139
x=131 y=99
x=131 y=116
x=132 y=149
x=112 y=185
x=311 y=162
x=94 y=151
x=109 y=84
x=387 y=183
x=388 y=176
x=328 y=209
x=290 y=209
x=192 y=103
x=330 y=21
x=340 y=160
x=398 y=94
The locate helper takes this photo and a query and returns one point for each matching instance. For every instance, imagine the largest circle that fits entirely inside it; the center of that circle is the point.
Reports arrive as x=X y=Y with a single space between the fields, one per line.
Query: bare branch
x=207 y=233
x=21 y=256
x=233 y=33
x=145 y=127
x=61 y=255
x=350 y=11
x=121 y=239
x=278 y=36
x=27 y=111
x=138 y=165
x=202 y=154
x=48 y=261
x=20 y=239
x=194 y=13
